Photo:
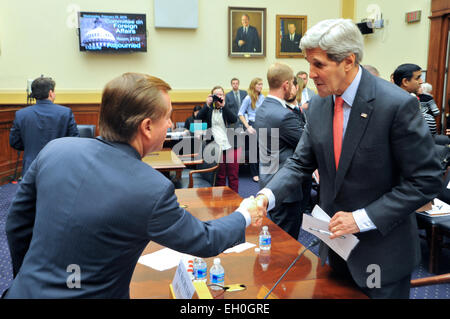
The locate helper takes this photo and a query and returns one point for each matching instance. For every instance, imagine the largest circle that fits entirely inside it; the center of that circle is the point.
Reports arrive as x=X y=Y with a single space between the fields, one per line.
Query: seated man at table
x=88 y=207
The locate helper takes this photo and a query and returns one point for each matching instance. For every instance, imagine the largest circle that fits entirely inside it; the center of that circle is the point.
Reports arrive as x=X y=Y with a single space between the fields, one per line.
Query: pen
x=324 y=232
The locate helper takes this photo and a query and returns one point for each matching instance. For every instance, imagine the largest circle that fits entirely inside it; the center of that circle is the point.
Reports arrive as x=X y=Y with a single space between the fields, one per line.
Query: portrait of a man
x=247 y=38
x=291 y=41
x=246 y=32
x=290 y=30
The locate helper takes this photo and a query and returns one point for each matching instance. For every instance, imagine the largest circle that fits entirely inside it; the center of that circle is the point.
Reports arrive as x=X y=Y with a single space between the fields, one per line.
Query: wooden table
x=307 y=279
x=164 y=161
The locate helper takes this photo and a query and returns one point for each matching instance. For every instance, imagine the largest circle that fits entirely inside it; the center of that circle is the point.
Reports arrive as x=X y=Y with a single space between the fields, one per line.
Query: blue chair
x=86 y=130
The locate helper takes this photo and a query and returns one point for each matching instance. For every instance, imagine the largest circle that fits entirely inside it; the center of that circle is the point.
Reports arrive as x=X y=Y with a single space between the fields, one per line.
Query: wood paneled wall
x=437 y=54
x=83 y=113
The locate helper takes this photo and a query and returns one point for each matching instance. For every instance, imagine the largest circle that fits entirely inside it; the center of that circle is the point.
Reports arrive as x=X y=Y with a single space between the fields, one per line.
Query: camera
x=217 y=98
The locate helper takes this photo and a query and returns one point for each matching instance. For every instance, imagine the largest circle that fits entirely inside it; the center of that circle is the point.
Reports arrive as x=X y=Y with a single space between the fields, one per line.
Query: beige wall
x=398 y=42
x=37 y=37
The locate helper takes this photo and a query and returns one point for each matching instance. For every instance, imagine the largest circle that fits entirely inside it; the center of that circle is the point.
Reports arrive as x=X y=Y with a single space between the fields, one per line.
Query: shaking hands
x=257 y=208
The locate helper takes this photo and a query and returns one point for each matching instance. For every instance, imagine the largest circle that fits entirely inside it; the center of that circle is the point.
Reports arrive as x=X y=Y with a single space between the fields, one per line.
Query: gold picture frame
x=287 y=44
x=248 y=42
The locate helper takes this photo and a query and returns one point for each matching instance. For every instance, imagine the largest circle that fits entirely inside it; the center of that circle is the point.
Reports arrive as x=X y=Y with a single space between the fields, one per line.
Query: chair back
x=86 y=130
x=212 y=154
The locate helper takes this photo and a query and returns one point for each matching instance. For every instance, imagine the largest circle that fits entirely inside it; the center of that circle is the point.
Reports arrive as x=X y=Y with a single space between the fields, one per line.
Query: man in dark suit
x=88 y=207
x=279 y=130
x=234 y=98
x=375 y=157
x=36 y=125
x=291 y=41
x=247 y=38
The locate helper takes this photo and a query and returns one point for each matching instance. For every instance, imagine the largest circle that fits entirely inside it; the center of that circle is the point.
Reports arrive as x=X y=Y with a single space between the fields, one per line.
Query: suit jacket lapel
x=356 y=126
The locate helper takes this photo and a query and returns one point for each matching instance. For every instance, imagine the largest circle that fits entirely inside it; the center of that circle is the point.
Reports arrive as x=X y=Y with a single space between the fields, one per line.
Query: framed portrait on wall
x=289 y=32
x=246 y=32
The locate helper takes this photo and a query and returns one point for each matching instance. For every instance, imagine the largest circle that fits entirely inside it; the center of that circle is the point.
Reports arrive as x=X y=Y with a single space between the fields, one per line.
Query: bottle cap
x=216 y=261
x=265 y=227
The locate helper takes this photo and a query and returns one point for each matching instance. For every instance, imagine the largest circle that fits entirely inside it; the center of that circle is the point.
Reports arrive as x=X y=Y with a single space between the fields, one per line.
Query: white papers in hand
x=318 y=226
x=163 y=259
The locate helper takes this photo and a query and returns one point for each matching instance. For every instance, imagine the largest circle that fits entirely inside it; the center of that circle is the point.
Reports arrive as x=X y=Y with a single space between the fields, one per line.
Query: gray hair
x=338 y=37
x=427 y=88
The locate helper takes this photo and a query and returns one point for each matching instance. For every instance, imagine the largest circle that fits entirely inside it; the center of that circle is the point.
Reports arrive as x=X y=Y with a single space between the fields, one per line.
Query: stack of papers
x=164 y=259
x=175 y=135
x=167 y=258
x=439 y=208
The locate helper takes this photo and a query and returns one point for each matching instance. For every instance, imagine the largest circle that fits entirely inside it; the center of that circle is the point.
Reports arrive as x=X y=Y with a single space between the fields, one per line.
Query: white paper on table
x=439 y=208
x=239 y=248
x=164 y=259
x=343 y=245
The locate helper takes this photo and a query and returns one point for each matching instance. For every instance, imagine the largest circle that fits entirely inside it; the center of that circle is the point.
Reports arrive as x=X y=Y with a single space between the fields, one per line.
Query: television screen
x=112 y=32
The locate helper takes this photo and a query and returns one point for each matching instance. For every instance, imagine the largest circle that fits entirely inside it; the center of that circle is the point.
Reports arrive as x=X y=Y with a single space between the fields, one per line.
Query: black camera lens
x=217 y=98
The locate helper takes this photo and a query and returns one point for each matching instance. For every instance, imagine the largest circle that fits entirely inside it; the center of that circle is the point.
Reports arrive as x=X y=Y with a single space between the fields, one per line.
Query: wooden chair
x=433 y=280
x=202 y=168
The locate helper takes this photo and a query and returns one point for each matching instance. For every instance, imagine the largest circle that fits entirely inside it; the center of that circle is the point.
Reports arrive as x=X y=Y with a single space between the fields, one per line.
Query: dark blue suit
x=279 y=131
x=232 y=104
x=388 y=166
x=95 y=204
x=288 y=45
x=36 y=125
x=252 y=41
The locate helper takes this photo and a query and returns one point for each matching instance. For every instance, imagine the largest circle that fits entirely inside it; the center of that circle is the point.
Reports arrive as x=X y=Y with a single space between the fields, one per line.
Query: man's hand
x=251 y=130
x=249 y=204
x=262 y=202
x=241 y=43
x=342 y=223
x=209 y=100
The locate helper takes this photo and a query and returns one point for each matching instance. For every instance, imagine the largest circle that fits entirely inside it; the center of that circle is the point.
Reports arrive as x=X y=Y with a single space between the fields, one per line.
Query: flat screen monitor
x=112 y=32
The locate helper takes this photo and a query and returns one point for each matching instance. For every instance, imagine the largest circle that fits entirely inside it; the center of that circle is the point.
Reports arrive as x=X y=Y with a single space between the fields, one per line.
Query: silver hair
x=338 y=37
x=427 y=88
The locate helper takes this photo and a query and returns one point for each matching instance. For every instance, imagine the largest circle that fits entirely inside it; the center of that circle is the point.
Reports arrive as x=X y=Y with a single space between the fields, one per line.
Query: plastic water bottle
x=217 y=274
x=265 y=239
x=200 y=269
x=264 y=259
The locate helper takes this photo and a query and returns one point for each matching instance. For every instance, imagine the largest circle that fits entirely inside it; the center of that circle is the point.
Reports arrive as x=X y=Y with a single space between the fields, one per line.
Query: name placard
x=182 y=284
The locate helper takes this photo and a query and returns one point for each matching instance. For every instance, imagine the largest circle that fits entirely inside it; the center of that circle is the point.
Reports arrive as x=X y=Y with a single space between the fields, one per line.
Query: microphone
x=314 y=243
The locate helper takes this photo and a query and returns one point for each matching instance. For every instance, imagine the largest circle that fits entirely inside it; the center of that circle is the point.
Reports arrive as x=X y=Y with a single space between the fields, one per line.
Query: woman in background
x=249 y=105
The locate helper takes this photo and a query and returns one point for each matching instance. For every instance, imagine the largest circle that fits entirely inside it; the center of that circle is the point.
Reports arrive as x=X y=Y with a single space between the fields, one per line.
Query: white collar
x=282 y=102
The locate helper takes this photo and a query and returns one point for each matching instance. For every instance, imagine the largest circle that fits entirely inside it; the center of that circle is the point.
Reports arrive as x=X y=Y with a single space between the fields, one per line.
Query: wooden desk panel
x=164 y=160
x=307 y=279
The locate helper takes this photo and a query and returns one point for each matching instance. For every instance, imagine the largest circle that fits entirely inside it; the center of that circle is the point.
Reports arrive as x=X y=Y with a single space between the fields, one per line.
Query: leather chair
x=204 y=168
x=86 y=130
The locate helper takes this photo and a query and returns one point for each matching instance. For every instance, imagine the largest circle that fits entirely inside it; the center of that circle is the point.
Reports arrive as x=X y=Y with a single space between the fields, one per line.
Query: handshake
x=257 y=208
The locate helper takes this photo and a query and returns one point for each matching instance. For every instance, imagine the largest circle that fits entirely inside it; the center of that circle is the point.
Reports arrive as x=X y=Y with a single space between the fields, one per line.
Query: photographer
x=218 y=118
